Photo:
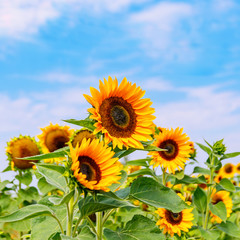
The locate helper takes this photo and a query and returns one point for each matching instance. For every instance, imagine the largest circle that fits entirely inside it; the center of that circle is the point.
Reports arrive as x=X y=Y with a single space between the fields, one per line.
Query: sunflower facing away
x=54 y=137
x=120 y=113
x=177 y=149
x=172 y=223
x=221 y=196
x=93 y=165
x=23 y=146
x=79 y=135
x=227 y=171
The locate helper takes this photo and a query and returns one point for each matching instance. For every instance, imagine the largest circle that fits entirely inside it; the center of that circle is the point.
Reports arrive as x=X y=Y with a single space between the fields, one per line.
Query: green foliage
x=87 y=123
x=200 y=199
x=219 y=210
x=229 y=228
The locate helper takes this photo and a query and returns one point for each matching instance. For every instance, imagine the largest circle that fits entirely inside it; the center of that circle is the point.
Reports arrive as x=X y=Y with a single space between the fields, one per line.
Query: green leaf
x=62 y=152
x=209 y=143
x=230 y=155
x=151 y=148
x=59 y=201
x=64 y=237
x=200 y=199
x=3 y=184
x=201 y=170
x=204 y=148
x=86 y=234
x=7 y=169
x=52 y=175
x=219 y=210
x=123 y=153
x=139 y=228
x=114 y=186
x=178 y=174
x=88 y=206
x=226 y=184
x=153 y=193
x=27 y=212
x=44 y=186
x=25 y=178
x=229 y=228
x=139 y=162
x=209 y=234
x=87 y=123
x=119 y=195
x=29 y=194
x=144 y=171
x=189 y=180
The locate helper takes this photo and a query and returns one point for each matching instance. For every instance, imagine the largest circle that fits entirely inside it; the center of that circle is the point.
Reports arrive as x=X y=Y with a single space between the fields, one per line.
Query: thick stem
x=75 y=228
x=70 y=208
x=99 y=225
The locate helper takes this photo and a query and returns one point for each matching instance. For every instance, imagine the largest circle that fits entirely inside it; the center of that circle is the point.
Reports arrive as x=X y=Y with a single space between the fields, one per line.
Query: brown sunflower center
x=228 y=169
x=171 y=147
x=118 y=117
x=238 y=168
x=216 y=200
x=56 y=139
x=173 y=218
x=90 y=168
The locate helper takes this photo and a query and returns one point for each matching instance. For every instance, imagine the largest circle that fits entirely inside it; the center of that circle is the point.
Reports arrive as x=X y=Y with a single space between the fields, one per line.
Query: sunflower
x=93 y=165
x=218 y=197
x=193 y=150
x=79 y=135
x=120 y=113
x=227 y=171
x=238 y=168
x=54 y=137
x=175 y=222
x=177 y=149
x=23 y=146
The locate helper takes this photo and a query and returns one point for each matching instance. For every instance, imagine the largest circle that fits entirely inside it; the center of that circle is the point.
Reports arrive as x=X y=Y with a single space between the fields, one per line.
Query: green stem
x=106 y=216
x=163 y=176
x=99 y=225
x=91 y=224
x=80 y=219
x=59 y=223
x=70 y=209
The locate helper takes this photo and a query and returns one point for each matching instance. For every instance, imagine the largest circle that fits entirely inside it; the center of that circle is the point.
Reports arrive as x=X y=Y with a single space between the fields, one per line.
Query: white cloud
x=223 y=5
x=157 y=84
x=161 y=30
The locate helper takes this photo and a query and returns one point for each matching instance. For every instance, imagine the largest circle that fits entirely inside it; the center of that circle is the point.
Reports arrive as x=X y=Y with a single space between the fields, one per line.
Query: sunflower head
x=238 y=168
x=193 y=150
x=54 y=137
x=23 y=146
x=221 y=196
x=172 y=223
x=79 y=135
x=93 y=165
x=120 y=113
x=176 y=149
x=228 y=170
x=219 y=148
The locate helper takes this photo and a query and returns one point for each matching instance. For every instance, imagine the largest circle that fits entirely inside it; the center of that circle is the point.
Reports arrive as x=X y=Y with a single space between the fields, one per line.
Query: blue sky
x=185 y=54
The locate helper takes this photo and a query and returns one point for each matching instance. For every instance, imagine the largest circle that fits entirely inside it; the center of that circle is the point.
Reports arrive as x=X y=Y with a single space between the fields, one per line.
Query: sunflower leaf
x=139 y=162
x=27 y=212
x=62 y=152
x=151 y=192
x=230 y=228
x=230 y=155
x=57 y=201
x=200 y=199
x=201 y=170
x=144 y=171
x=204 y=148
x=226 y=184
x=139 y=228
x=219 y=210
x=25 y=178
x=87 y=123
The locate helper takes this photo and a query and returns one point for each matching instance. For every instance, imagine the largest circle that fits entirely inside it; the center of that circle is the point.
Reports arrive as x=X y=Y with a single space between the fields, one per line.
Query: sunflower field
x=79 y=184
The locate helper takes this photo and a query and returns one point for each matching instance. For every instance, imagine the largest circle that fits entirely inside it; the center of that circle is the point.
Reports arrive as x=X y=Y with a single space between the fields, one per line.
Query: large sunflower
x=228 y=170
x=177 y=149
x=93 y=165
x=120 y=113
x=23 y=146
x=221 y=196
x=54 y=137
x=79 y=135
x=172 y=223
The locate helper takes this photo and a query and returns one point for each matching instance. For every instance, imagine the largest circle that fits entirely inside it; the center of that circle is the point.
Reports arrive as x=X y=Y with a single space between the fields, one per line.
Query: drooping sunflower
x=228 y=170
x=221 y=196
x=120 y=113
x=93 y=165
x=172 y=223
x=54 y=137
x=79 y=135
x=238 y=168
x=177 y=149
x=23 y=146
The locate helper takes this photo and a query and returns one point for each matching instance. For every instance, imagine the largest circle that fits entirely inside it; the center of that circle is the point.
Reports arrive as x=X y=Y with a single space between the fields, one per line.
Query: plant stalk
x=99 y=225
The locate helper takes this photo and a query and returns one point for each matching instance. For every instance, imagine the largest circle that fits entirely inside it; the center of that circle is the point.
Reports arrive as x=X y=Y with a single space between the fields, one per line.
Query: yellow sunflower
x=218 y=197
x=120 y=113
x=172 y=223
x=54 y=137
x=238 y=168
x=79 y=135
x=23 y=146
x=177 y=149
x=93 y=165
x=227 y=171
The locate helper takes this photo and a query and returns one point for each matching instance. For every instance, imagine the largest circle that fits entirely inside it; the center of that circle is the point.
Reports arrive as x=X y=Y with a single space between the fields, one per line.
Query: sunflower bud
x=219 y=148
